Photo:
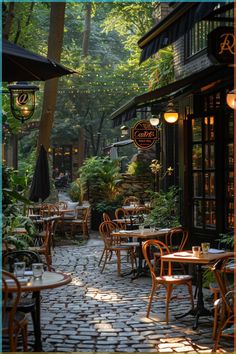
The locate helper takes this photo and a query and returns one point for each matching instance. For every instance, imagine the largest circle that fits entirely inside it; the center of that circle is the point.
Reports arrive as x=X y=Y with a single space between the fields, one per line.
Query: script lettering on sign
x=144 y=134
x=221 y=45
x=228 y=43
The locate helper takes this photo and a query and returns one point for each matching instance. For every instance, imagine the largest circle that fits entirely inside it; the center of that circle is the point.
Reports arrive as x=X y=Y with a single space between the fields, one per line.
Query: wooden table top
x=145 y=234
x=49 y=280
x=187 y=257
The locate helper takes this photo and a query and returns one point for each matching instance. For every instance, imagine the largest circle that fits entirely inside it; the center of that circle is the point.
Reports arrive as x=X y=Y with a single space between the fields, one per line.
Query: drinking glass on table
x=141 y=228
x=196 y=251
x=37 y=269
x=205 y=247
x=19 y=269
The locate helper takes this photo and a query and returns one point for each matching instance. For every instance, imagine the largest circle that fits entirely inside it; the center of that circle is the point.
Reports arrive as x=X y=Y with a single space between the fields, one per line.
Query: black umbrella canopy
x=19 y=64
x=40 y=187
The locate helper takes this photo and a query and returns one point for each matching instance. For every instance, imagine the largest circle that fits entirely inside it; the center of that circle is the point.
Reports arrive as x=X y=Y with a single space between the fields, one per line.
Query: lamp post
x=22 y=99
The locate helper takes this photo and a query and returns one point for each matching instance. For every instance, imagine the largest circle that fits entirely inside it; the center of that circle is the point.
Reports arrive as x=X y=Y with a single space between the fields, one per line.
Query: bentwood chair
x=46 y=238
x=112 y=244
x=131 y=199
x=168 y=280
x=26 y=303
x=14 y=323
x=80 y=221
x=106 y=217
x=226 y=302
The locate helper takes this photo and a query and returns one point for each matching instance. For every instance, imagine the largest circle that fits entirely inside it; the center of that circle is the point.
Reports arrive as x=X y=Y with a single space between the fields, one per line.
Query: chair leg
x=118 y=261
x=24 y=333
x=101 y=257
x=168 y=298
x=48 y=261
x=215 y=316
x=105 y=261
x=154 y=286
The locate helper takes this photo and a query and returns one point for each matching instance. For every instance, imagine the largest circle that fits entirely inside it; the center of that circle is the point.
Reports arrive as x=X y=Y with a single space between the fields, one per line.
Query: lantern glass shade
x=154 y=121
x=171 y=116
x=231 y=99
x=22 y=96
x=124 y=130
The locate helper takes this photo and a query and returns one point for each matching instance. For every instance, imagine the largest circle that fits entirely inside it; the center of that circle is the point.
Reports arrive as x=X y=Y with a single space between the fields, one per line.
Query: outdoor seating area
x=125 y=265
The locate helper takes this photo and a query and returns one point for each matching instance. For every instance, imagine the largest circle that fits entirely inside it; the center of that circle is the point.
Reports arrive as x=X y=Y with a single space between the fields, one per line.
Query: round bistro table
x=49 y=280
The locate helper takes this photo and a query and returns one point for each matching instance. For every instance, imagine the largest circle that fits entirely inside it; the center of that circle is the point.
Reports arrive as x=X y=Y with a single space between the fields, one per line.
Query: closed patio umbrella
x=40 y=187
x=19 y=64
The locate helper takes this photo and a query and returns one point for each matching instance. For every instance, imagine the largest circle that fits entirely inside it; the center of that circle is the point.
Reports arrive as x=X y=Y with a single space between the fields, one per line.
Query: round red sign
x=144 y=134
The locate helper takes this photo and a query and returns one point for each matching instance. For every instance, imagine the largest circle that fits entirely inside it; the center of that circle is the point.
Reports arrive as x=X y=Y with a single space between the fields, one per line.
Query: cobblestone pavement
x=107 y=313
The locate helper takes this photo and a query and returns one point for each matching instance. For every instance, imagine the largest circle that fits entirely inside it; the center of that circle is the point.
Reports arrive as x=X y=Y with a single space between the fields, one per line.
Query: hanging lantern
x=231 y=99
x=124 y=130
x=22 y=97
x=154 y=121
x=171 y=116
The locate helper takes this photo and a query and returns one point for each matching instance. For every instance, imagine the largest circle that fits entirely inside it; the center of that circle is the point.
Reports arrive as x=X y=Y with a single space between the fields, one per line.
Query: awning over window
x=190 y=84
x=177 y=23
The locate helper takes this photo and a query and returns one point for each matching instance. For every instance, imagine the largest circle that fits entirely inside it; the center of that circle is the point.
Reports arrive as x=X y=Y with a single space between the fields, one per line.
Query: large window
x=203 y=172
x=196 y=38
x=212 y=163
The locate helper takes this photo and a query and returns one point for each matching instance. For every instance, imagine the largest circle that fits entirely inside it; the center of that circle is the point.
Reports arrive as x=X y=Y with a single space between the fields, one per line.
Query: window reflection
x=209 y=156
x=198 y=214
x=197 y=184
x=197 y=129
x=210 y=215
x=210 y=184
x=197 y=156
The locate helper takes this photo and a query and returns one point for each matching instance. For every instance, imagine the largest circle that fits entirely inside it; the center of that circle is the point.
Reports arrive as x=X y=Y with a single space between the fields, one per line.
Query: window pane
x=210 y=184
x=197 y=184
x=197 y=129
x=231 y=155
x=210 y=215
x=197 y=214
x=230 y=185
x=230 y=215
x=209 y=156
x=209 y=133
x=197 y=156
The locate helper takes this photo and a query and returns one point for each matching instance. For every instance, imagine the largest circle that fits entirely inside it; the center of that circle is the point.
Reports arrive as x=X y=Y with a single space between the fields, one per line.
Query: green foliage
x=208 y=278
x=138 y=168
x=108 y=206
x=100 y=176
x=227 y=240
x=14 y=204
x=75 y=191
x=164 y=209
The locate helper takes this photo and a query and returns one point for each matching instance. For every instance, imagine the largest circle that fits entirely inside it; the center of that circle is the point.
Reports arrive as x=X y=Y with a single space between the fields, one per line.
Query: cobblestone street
x=103 y=312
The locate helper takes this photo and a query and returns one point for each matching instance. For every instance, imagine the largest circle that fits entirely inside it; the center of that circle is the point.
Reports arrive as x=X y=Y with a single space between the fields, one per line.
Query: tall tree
x=55 y=42
x=7 y=25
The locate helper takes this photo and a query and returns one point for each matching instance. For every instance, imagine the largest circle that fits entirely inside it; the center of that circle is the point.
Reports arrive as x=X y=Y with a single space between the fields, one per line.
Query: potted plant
x=164 y=212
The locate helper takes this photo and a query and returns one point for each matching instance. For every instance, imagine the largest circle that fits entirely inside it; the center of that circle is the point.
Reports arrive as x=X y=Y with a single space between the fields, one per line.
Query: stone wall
x=136 y=185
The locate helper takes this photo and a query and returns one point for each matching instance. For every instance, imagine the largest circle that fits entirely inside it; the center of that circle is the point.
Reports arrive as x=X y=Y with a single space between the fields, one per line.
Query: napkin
x=215 y=250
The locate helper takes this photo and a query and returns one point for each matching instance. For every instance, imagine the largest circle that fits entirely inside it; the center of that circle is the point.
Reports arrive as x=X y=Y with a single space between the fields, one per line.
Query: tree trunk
x=87 y=29
x=85 y=50
x=8 y=24
x=55 y=41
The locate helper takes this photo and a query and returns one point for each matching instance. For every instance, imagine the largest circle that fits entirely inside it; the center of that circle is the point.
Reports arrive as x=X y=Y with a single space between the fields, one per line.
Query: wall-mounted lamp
x=22 y=97
x=231 y=99
x=154 y=120
x=171 y=116
x=124 y=130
